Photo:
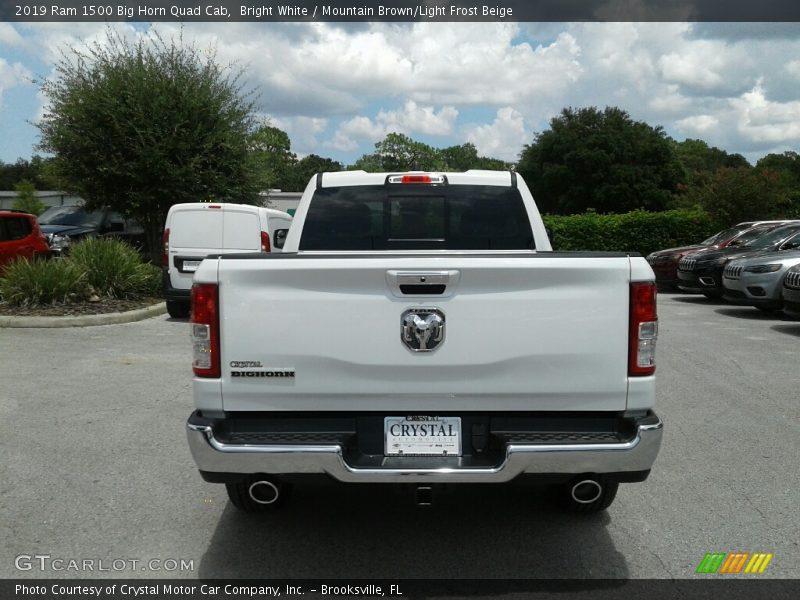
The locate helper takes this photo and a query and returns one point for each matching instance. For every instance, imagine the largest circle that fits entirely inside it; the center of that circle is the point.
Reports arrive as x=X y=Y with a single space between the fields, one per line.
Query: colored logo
x=734 y=563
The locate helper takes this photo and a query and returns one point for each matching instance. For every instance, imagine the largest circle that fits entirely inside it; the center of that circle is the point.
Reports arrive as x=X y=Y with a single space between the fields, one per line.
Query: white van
x=195 y=230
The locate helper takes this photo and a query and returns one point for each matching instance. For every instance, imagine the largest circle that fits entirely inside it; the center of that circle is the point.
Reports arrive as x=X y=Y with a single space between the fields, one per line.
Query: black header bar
x=265 y=589
x=400 y=10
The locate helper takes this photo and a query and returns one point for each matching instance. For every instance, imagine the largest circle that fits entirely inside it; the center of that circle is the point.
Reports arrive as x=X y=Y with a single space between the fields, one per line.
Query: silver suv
x=758 y=280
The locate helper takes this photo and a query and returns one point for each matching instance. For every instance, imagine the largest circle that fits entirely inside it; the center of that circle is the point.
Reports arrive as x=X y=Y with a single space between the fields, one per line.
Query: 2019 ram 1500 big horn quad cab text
x=417 y=328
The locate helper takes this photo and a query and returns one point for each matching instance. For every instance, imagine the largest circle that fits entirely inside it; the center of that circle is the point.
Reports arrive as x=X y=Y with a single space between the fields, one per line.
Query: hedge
x=637 y=231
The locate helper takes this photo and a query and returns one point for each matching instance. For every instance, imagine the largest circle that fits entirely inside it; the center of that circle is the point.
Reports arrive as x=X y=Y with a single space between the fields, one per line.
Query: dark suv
x=20 y=237
x=65 y=224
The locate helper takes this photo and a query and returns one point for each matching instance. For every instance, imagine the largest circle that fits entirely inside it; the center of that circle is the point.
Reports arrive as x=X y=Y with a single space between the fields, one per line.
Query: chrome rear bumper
x=637 y=454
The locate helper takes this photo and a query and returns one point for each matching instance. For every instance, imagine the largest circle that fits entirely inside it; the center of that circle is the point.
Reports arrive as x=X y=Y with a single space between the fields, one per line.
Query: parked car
x=20 y=237
x=791 y=292
x=702 y=272
x=665 y=262
x=758 y=280
x=63 y=225
x=196 y=229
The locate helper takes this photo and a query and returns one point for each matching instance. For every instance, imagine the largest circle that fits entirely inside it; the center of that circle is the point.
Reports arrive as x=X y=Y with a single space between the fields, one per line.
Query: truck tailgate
x=523 y=332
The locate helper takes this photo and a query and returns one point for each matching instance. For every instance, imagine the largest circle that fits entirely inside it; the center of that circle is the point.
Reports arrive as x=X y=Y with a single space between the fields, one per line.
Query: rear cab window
x=417 y=217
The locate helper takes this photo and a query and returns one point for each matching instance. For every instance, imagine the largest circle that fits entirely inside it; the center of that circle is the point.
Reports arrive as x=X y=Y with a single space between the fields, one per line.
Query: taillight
x=643 y=330
x=165 y=248
x=205 y=330
x=265 y=247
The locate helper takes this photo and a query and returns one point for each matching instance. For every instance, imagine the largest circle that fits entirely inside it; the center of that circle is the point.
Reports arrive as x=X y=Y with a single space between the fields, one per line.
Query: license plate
x=422 y=435
x=191 y=265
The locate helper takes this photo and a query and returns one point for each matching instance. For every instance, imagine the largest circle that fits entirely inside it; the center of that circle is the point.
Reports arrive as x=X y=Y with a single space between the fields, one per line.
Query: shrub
x=113 y=268
x=27 y=282
x=151 y=283
x=26 y=199
x=637 y=231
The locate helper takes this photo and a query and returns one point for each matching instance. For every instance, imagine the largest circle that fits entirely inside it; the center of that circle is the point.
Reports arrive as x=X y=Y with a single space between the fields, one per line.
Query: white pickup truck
x=418 y=329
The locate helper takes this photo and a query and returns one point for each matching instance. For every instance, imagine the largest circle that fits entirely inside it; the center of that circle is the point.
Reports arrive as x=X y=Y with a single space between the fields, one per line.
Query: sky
x=337 y=89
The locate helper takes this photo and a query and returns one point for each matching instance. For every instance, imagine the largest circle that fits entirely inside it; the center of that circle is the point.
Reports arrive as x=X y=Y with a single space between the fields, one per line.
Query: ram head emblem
x=422 y=329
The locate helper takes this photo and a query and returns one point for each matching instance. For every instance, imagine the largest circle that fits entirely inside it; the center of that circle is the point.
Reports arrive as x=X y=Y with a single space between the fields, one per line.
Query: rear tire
x=239 y=494
x=567 y=502
x=178 y=309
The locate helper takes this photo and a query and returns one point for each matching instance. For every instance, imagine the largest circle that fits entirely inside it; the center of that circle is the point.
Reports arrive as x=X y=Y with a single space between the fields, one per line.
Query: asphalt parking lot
x=95 y=466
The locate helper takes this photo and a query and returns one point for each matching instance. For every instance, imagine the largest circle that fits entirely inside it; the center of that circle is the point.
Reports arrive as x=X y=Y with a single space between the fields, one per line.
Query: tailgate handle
x=422 y=283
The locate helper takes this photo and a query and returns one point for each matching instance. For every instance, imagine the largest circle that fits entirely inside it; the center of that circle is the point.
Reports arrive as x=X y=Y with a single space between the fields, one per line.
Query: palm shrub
x=113 y=268
x=28 y=282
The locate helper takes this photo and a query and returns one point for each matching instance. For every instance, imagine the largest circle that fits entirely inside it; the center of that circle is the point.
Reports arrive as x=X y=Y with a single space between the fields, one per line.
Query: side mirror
x=735 y=243
x=793 y=245
x=279 y=238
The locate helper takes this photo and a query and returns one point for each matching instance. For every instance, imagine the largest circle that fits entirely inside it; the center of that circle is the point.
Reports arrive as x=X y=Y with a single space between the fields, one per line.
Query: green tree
x=700 y=161
x=398 y=152
x=140 y=126
x=272 y=153
x=465 y=157
x=602 y=160
x=308 y=166
x=460 y=158
x=371 y=163
x=742 y=194
x=26 y=198
x=37 y=170
x=787 y=166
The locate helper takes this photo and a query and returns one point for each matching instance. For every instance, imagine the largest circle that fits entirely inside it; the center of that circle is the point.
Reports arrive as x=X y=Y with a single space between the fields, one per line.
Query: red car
x=20 y=237
x=665 y=262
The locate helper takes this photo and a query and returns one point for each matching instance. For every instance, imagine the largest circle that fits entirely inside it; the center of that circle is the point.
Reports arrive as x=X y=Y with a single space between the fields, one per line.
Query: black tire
x=178 y=309
x=568 y=503
x=239 y=494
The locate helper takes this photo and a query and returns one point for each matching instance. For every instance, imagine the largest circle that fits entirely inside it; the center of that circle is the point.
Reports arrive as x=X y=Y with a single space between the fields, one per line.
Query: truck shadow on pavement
x=329 y=530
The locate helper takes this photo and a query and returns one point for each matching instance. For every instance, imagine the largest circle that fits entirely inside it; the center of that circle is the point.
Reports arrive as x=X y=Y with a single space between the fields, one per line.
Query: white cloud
x=10 y=37
x=322 y=69
x=12 y=76
x=303 y=132
x=793 y=69
x=697 y=125
x=410 y=119
x=763 y=121
x=503 y=138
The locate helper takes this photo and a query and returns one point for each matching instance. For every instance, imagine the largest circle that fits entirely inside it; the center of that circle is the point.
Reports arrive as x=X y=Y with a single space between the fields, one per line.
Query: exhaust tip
x=424 y=495
x=586 y=491
x=263 y=492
